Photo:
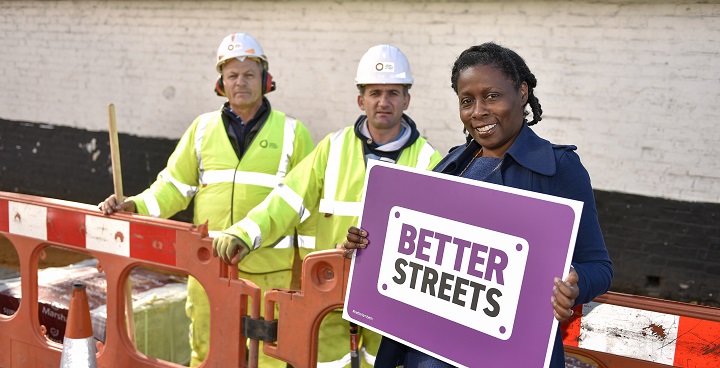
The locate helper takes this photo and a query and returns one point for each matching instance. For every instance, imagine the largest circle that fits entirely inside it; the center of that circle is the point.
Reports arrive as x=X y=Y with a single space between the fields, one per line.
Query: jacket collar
x=532 y=152
x=361 y=122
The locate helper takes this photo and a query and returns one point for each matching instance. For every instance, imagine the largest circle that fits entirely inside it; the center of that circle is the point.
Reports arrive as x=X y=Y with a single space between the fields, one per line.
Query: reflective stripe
x=199 y=133
x=332 y=171
x=293 y=199
x=152 y=205
x=341 y=208
x=246 y=177
x=284 y=242
x=184 y=189
x=326 y=206
x=253 y=231
x=307 y=242
x=288 y=146
x=423 y=161
x=367 y=356
x=345 y=360
x=214 y=234
x=241 y=177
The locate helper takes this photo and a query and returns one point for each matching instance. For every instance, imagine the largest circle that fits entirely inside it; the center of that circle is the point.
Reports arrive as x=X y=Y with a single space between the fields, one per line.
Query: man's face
x=384 y=105
x=243 y=83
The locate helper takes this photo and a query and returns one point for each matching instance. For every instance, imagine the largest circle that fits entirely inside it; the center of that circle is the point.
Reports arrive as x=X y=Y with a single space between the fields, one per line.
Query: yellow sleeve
x=176 y=185
x=434 y=159
x=289 y=204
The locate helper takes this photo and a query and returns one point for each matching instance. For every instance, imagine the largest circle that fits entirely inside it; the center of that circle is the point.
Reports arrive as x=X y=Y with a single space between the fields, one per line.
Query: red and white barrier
x=620 y=330
x=120 y=243
x=663 y=338
x=94 y=232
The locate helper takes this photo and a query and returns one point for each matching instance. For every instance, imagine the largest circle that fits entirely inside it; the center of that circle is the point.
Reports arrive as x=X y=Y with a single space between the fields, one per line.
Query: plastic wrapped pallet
x=161 y=325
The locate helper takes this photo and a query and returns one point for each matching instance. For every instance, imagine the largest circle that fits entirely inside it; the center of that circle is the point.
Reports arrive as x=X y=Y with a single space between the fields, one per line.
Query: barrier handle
x=117 y=183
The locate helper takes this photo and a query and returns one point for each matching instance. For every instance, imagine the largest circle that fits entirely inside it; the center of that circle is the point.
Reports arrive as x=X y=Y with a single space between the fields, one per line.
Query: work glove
x=230 y=248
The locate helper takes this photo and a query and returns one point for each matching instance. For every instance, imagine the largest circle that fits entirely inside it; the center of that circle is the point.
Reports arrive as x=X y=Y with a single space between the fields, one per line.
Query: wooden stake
x=117 y=183
x=115 y=154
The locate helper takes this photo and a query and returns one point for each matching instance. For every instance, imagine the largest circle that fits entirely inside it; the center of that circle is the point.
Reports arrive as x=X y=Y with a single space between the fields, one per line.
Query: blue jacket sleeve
x=590 y=259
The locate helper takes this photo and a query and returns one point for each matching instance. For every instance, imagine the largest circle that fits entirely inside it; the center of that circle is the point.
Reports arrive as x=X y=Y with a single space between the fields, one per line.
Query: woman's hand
x=564 y=294
x=356 y=239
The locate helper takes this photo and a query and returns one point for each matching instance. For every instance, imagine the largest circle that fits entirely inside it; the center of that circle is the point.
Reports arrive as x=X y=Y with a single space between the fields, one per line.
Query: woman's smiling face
x=491 y=107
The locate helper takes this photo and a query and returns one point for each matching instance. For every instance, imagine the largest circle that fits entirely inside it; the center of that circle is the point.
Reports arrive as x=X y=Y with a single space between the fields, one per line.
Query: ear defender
x=219 y=87
x=268 y=84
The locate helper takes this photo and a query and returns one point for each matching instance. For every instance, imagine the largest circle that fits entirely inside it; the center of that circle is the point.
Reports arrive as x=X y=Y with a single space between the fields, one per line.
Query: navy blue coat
x=534 y=164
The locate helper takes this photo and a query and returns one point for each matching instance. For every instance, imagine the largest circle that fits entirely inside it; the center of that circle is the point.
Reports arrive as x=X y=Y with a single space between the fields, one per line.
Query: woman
x=494 y=86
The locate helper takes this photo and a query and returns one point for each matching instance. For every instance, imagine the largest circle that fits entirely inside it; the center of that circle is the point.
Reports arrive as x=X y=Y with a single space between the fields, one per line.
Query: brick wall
x=634 y=84
x=662 y=248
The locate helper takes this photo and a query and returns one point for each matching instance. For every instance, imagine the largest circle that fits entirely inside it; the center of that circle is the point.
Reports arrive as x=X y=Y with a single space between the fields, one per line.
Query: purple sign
x=460 y=269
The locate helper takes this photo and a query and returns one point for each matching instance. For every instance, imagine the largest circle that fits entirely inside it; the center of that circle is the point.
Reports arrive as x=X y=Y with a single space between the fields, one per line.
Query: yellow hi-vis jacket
x=205 y=166
x=328 y=184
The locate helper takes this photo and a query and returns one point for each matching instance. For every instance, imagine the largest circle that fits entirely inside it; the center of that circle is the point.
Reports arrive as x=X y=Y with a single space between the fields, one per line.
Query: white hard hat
x=384 y=64
x=240 y=46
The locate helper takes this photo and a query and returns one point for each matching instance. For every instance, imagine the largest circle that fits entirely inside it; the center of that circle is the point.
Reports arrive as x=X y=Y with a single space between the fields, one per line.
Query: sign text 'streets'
x=448 y=264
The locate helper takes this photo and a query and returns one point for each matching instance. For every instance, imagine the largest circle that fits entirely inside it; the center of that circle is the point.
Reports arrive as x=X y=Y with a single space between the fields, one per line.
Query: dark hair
x=508 y=62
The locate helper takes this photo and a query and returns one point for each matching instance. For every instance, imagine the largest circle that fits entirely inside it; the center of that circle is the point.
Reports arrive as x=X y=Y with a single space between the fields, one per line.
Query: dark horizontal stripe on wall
x=75 y=164
x=660 y=248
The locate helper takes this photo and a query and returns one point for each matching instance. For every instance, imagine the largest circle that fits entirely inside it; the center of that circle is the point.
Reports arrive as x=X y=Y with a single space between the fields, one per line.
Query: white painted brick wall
x=634 y=84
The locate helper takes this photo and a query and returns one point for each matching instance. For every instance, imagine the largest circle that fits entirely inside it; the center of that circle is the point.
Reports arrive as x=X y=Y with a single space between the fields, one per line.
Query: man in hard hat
x=229 y=160
x=331 y=179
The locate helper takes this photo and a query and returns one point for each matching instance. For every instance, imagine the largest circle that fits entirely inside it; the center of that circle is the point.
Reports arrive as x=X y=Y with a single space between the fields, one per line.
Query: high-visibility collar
x=328 y=204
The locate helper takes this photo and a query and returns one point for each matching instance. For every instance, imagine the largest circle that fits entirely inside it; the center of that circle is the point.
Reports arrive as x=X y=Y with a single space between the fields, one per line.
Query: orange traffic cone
x=78 y=344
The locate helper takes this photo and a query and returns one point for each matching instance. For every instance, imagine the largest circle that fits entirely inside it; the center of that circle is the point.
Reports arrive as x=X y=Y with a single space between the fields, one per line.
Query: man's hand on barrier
x=230 y=248
x=111 y=205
